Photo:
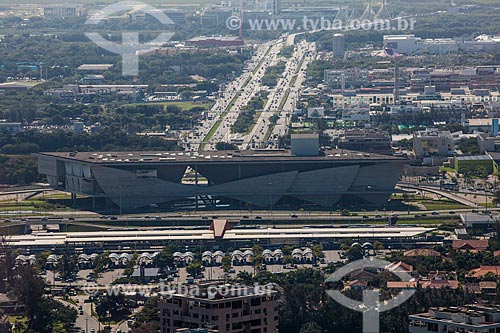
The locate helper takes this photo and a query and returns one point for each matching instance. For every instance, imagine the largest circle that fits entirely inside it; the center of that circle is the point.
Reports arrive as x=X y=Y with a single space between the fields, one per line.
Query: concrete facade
x=257 y=178
x=432 y=142
x=241 y=309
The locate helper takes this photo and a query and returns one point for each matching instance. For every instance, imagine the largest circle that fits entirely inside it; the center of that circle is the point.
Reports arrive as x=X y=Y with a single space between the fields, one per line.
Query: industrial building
x=224 y=308
x=261 y=178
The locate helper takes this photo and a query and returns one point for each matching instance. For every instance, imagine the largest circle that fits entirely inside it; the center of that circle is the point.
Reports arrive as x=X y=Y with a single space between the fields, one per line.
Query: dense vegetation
x=273 y=74
x=245 y=120
x=18 y=170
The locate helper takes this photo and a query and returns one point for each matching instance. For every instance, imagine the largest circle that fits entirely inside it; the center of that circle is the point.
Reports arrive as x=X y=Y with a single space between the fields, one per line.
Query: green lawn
x=448 y=170
x=21 y=321
x=442 y=205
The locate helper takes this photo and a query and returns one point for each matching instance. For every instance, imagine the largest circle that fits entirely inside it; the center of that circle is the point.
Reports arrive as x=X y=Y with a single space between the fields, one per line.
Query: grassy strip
x=262 y=61
x=296 y=75
x=214 y=128
x=280 y=108
x=443 y=206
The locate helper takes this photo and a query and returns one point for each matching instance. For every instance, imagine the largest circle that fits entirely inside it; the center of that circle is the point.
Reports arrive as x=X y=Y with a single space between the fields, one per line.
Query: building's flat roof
x=474 y=158
x=480 y=121
x=225 y=156
x=94 y=66
x=44 y=239
x=214 y=38
x=440 y=315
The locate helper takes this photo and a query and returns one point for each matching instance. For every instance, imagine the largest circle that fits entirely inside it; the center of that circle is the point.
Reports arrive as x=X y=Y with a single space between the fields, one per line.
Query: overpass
x=439 y=192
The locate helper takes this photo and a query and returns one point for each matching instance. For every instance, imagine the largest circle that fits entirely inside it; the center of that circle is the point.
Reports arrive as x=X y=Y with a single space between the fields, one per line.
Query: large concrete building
x=222 y=308
x=411 y=45
x=432 y=142
x=248 y=179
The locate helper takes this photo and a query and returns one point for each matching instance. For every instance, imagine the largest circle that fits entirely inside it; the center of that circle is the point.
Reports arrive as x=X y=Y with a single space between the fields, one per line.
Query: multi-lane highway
x=307 y=52
x=235 y=95
x=282 y=99
x=249 y=90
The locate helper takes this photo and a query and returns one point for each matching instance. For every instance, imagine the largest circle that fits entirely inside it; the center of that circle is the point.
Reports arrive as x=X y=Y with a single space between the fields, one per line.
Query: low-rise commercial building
x=469 y=163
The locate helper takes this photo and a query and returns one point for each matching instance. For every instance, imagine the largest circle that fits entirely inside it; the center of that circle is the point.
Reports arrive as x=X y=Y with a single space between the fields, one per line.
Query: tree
x=194 y=268
x=28 y=289
x=496 y=198
x=378 y=246
x=257 y=249
x=318 y=251
x=258 y=260
x=166 y=256
x=7 y=262
x=355 y=253
x=100 y=263
x=114 y=305
x=148 y=320
x=226 y=262
x=244 y=277
x=225 y=146
x=67 y=265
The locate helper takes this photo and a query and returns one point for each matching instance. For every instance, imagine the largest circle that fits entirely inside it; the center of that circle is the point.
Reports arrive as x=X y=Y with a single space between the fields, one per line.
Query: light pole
x=120 y=187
